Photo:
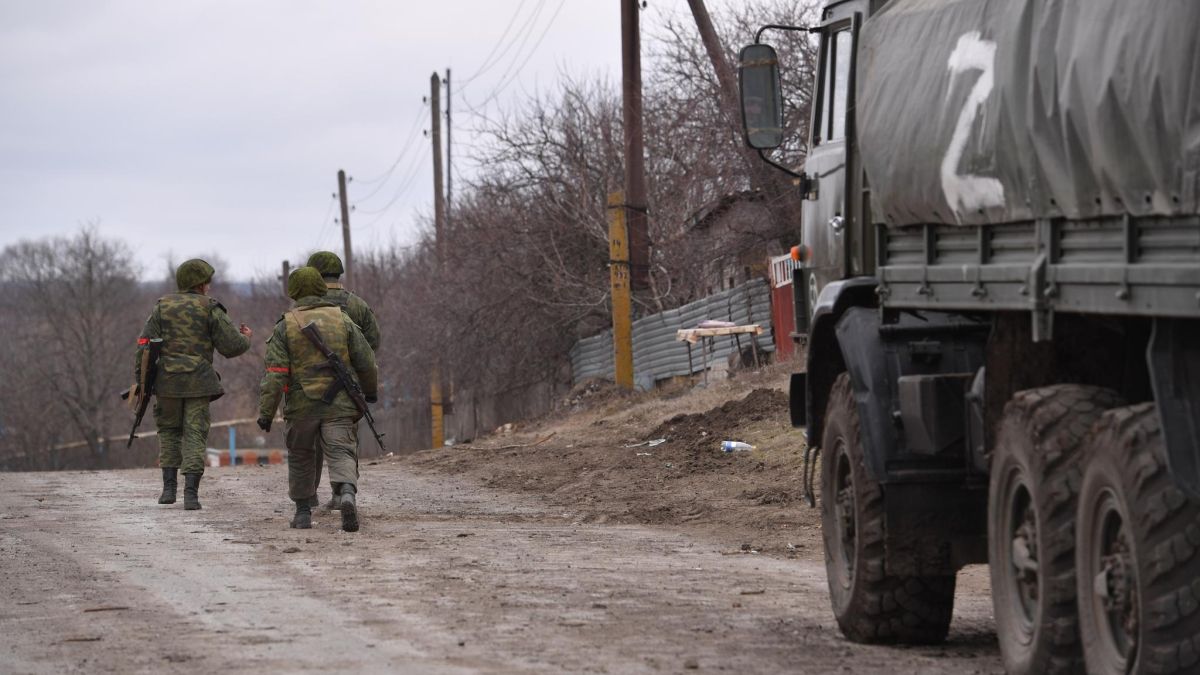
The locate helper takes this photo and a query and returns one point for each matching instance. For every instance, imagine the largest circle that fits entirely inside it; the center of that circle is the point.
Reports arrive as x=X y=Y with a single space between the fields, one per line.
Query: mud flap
x=797 y=399
x=934 y=529
x=1174 y=360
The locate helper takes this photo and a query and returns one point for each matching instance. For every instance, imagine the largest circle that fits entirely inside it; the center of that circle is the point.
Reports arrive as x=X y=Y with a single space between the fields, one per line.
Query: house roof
x=705 y=215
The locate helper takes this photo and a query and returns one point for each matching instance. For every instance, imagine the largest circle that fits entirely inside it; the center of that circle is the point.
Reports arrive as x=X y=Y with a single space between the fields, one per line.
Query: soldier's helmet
x=327 y=263
x=305 y=281
x=192 y=273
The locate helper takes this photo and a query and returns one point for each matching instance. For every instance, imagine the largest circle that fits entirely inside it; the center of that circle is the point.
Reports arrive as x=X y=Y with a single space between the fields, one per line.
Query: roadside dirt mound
x=598 y=464
x=591 y=393
x=706 y=430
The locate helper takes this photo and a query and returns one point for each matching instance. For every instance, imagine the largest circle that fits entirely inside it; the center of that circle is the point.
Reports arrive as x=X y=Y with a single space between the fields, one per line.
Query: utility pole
x=435 y=132
x=622 y=300
x=635 y=169
x=287 y=270
x=728 y=85
x=449 y=156
x=437 y=422
x=716 y=54
x=345 y=226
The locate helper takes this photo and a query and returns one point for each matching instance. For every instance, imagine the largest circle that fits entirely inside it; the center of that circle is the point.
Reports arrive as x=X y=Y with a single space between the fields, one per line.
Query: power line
x=401 y=190
x=504 y=83
x=487 y=62
x=412 y=134
x=325 y=220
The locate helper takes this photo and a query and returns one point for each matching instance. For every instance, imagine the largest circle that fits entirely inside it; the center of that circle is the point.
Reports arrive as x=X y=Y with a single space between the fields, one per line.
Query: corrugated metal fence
x=657 y=355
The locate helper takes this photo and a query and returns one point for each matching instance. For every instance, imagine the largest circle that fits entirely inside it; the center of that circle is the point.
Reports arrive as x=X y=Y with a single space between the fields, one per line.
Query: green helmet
x=327 y=263
x=305 y=281
x=192 y=273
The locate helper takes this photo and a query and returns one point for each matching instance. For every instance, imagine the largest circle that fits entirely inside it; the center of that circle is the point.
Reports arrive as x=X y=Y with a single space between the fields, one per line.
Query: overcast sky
x=192 y=126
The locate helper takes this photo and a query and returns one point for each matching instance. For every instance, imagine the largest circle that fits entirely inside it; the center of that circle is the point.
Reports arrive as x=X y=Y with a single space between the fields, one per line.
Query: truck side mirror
x=762 y=97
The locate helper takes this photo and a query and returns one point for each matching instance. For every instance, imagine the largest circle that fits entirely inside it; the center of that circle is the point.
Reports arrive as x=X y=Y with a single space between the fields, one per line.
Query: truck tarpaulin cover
x=993 y=111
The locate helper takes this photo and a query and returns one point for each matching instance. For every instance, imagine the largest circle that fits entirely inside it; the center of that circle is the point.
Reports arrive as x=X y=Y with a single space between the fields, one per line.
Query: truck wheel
x=870 y=605
x=1138 y=553
x=1031 y=508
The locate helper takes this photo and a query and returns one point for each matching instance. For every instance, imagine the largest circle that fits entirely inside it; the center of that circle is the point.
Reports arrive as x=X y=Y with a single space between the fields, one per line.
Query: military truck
x=1000 y=289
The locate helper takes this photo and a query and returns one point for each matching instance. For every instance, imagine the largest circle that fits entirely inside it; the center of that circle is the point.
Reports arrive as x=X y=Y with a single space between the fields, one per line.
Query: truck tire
x=1031 y=509
x=870 y=605
x=1137 y=552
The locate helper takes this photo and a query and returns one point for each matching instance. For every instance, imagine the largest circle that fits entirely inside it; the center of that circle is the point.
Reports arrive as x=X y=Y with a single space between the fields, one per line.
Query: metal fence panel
x=657 y=355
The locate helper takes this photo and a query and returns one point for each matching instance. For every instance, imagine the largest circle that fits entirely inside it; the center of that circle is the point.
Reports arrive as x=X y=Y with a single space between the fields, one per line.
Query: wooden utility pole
x=437 y=423
x=449 y=155
x=716 y=54
x=622 y=300
x=345 y=226
x=728 y=86
x=287 y=270
x=635 y=168
x=435 y=132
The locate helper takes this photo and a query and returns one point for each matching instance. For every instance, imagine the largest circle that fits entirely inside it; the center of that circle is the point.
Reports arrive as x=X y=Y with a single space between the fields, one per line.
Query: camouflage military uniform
x=357 y=309
x=191 y=326
x=330 y=267
x=293 y=373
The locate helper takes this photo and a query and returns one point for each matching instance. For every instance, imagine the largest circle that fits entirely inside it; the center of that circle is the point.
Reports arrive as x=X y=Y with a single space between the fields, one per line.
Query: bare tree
x=71 y=310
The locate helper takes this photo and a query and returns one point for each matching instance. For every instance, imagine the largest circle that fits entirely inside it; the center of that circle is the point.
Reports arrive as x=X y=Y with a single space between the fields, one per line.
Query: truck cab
x=836 y=244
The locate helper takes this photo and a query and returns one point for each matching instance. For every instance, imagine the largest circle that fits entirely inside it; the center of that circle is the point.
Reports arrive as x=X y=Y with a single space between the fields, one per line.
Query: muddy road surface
x=446 y=576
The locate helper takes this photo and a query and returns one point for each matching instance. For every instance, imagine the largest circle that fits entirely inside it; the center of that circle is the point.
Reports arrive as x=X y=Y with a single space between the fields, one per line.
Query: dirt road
x=446 y=576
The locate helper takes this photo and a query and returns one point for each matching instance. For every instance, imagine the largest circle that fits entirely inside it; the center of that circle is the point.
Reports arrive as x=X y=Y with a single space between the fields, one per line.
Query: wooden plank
x=694 y=335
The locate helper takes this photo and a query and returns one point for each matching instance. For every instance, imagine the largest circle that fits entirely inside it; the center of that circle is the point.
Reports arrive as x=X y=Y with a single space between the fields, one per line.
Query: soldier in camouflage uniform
x=330 y=267
x=191 y=325
x=316 y=428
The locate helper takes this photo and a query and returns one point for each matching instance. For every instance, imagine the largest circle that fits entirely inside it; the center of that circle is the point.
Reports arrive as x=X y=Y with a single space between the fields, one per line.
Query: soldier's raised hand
x=245 y=330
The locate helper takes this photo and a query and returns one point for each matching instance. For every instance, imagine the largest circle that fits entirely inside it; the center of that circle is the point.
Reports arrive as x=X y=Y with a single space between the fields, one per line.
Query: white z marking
x=967 y=192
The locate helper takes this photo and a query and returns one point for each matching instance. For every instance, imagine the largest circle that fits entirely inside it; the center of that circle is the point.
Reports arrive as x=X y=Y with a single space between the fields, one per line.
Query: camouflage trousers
x=320 y=461
x=182 y=432
x=310 y=438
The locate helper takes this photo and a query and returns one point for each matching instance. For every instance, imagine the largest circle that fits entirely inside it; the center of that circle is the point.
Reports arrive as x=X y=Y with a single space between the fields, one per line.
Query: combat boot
x=170 y=483
x=191 y=491
x=303 y=518
x=349 y=508
x=334 y=502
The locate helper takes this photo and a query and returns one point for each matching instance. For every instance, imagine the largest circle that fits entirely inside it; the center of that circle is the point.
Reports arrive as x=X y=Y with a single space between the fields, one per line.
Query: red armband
x=278 y=369
x=142 y=342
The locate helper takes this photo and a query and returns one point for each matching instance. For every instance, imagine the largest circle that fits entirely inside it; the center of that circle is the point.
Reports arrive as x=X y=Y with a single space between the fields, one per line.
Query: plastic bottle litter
x=735 y=446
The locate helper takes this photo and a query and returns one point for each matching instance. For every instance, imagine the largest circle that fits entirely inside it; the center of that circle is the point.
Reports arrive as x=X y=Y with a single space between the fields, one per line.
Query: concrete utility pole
x=287 y=270
x=345 y=226
x=622 y=299
x=635 y=168
x=437 y=422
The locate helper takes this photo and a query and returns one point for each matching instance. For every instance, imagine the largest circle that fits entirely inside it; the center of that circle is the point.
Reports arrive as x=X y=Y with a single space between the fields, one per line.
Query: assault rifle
x=343 y=380
x=139 y=394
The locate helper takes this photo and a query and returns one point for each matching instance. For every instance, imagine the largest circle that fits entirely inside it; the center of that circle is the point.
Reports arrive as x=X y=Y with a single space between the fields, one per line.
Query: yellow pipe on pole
x=435 y=400
x=622 y=300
